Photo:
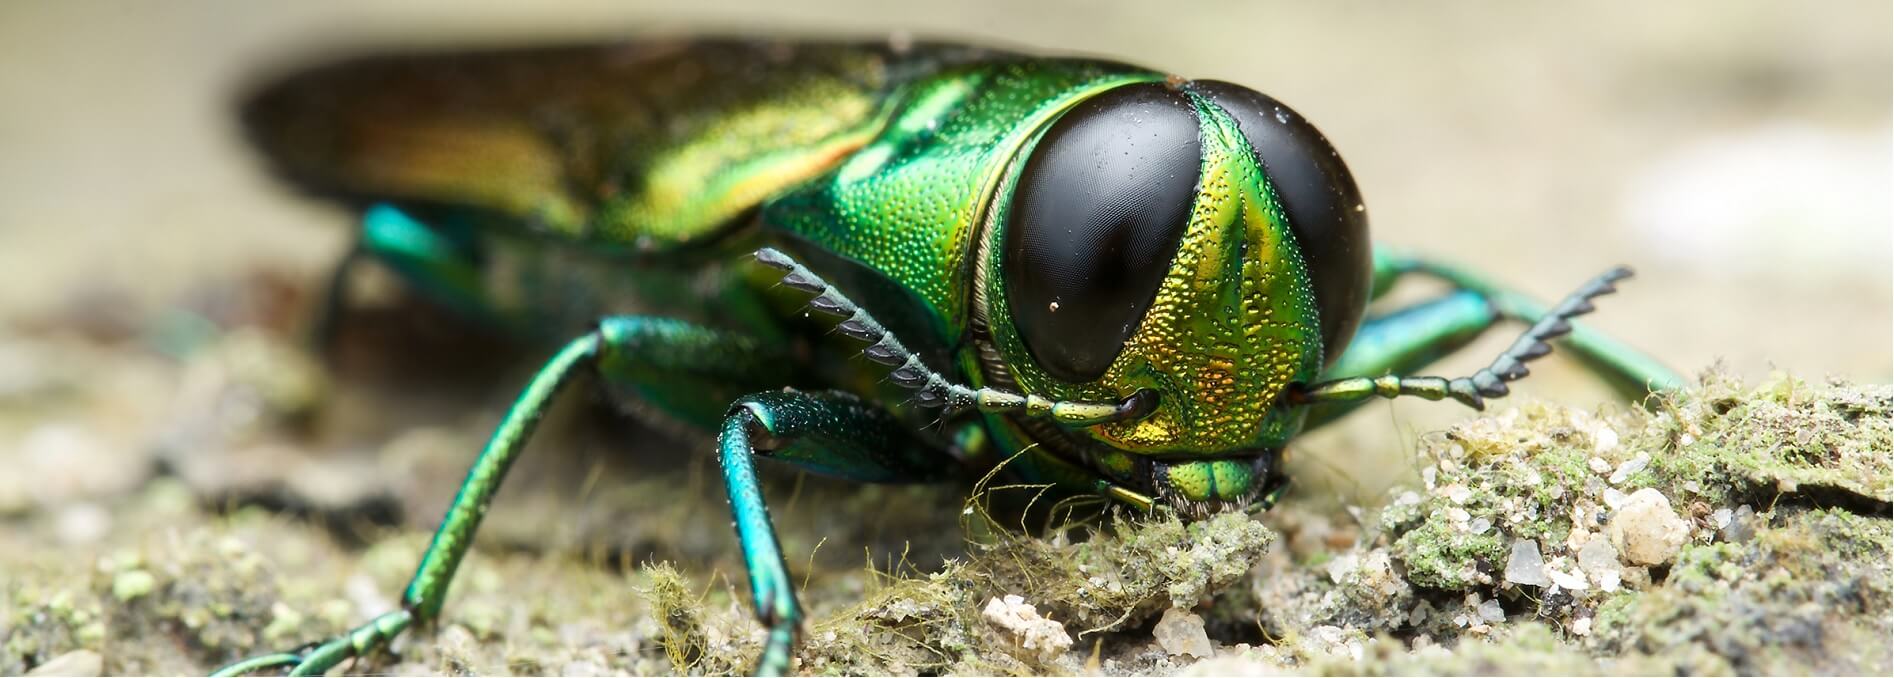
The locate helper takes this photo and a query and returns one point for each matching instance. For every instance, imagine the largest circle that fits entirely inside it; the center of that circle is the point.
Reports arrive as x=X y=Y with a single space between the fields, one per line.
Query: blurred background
x=1737 y=154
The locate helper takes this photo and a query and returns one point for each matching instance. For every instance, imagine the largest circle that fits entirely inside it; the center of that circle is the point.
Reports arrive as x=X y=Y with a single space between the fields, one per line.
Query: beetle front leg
x=1406 y=340
x=1630 y=371
x=1489 y=382
x=831 y=433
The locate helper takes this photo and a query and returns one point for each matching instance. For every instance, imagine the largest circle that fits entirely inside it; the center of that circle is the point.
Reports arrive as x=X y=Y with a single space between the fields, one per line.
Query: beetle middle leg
x=620 y=349
x=829 y=432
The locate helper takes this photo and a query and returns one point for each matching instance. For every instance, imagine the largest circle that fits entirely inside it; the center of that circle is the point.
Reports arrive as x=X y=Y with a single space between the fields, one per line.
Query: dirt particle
x=1180 y=632
x=1526 y=567
x=1042 y=638
x=1645 y=529
x=74 y=663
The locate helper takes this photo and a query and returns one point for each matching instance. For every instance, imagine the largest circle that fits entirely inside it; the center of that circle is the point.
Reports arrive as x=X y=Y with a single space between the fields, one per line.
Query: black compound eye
x=1100 y=208
x=1320 y=198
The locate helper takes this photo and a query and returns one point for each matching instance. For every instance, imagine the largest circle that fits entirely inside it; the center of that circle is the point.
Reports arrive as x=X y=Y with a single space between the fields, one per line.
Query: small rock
x=1458 y=494
x=1597 y=556
x=1645 y=529
x=1480 y=525
x=1637 y=578
x=1609 y=580
x=1626 y=469
x=1341 y=567
x=1567 y=580
x=1721 y=518
x=82 y=523
x=583 y=668
x=1492 y=612
x=1599 y=465
x=1604 y=439
x=74 y=663
x=1739 y=530
x=1180 y=632
x=1331 y=640
x=1526 y=567
x=1614 y=498
x=1044 y=637
x=1581 y=626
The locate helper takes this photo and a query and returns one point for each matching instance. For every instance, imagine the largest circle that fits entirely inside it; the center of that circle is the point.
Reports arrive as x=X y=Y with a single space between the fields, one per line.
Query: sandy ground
x=156 y=411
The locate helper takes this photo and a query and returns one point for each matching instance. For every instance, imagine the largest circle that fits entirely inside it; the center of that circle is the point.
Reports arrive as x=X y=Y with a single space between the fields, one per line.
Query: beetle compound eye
x=1318 y=194
x=1099 y=211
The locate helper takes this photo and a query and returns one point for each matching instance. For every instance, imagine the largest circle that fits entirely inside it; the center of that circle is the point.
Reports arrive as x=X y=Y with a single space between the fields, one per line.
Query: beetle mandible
x=1147 y=284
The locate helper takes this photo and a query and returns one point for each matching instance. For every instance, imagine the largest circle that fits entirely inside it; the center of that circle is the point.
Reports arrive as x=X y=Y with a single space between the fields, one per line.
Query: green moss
x=131 y=584
x=1702 y=567
x=1122 y=576
x=1783 y=438
x=206 y=597
x=1783 y=601
x=1114 y=579
x=678 y=615
x=44 y=622
x=1440 y=554
x=1802 y=586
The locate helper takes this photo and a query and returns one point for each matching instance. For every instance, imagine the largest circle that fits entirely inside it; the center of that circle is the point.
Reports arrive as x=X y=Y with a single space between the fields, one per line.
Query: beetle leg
x=930 y=388
x=328 y=316
x=619 y=349
x=1489 y=382
x=1406 y=340
x=428 y=588
x=828 y=432
x=426 y=256
x=1630 y=371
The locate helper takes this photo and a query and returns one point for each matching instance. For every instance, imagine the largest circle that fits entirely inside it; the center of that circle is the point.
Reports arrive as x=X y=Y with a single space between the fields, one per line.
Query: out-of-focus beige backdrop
x=1735 y=153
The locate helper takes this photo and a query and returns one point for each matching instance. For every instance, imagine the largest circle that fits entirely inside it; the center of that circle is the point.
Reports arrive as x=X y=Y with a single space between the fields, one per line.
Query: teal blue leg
x=832 y=433
x=1632 y=372
x=445 y=268
x=621 y=344
x=428 y=256
x=334 y=299
x=1409 y=339
x=1405 y=340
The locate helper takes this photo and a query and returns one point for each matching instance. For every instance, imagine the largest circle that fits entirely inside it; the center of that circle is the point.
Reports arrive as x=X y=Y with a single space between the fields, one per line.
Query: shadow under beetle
x=1148 y=284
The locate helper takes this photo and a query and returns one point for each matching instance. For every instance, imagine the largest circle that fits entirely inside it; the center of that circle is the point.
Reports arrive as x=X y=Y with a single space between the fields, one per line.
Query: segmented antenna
x=1489 y=382
x=929 y=387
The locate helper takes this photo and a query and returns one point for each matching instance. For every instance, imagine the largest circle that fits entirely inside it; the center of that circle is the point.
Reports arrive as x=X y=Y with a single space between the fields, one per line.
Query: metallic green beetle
x=1122 y=283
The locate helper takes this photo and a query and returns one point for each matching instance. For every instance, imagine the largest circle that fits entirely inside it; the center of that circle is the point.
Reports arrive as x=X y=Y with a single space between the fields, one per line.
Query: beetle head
x=1197 y=240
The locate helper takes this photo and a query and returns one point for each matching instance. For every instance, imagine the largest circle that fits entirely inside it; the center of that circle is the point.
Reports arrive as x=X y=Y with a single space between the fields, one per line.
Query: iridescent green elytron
x=1125 y=284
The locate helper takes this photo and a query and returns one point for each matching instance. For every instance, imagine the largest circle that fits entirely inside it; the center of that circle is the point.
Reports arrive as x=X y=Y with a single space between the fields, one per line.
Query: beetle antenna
x=1490 y=381
x=929 y=387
